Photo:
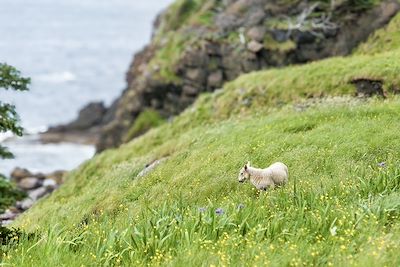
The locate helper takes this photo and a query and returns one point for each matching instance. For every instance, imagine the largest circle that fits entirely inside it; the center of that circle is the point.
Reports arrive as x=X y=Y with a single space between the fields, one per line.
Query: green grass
x=104 y=215
x=8 y=193
x=180 y=13
x=339 y=208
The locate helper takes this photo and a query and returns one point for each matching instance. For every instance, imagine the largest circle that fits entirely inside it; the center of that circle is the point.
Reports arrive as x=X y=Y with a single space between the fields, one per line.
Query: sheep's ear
x=248 y=163
x=245 y=167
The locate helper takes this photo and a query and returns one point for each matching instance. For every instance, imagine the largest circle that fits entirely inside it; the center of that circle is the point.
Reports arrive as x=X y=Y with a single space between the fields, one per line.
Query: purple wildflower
x=202 y=209
x=219 y=211
x=240 y=206
x=382 y=164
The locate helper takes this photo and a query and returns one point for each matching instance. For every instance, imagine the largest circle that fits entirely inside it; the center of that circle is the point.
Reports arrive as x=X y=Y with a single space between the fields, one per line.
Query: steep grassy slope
x=339 y=207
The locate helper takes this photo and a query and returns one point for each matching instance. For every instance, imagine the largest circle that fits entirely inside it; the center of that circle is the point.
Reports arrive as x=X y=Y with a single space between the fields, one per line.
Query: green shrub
x=8 y=194
x=7 y=235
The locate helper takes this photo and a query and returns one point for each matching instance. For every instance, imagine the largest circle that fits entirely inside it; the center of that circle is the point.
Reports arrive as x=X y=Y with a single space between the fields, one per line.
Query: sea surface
x=75 y=51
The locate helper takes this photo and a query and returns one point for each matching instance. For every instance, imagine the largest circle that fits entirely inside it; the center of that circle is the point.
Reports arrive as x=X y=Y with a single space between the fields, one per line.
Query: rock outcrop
x=84 y=130
x=198 y=47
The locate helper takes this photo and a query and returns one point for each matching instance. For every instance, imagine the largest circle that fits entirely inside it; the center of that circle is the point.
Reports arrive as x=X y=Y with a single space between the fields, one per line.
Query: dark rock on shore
x=19 y=173
x=29 y=183
x=85 y=137
x=89 y=116
x=84 y=130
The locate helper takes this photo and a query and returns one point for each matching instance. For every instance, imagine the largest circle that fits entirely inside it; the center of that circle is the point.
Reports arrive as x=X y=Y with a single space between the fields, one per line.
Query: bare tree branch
x=315 y=26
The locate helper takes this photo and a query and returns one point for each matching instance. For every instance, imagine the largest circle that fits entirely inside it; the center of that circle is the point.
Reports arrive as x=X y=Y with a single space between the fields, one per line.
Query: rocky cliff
x=198 y=45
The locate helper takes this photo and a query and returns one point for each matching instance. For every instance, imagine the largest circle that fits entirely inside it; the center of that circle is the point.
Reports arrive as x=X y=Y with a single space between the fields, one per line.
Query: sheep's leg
x=267 y=187
x=264 y=188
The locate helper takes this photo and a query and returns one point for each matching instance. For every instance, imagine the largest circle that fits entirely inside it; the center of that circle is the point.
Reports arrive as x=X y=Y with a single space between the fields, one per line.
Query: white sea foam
x=5 y=136
x=35 y=130
x=29 y=133
x=56 y=77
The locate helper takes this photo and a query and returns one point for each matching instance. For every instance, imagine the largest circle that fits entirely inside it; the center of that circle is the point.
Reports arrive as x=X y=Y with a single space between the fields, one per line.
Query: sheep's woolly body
x=276 y=174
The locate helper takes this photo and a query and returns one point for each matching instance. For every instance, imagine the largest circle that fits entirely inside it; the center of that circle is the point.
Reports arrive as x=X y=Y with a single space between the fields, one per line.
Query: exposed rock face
x=242 y=36
x=91 y=115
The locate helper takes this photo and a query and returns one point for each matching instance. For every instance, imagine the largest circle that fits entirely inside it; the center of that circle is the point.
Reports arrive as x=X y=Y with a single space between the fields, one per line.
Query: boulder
x=38 y=193
x=255 y=47
x=197 y=75
x=8 y=215
x=29 y=183
x=24 y=204
x=215 y=79
x=257 y=33
x=228 y=22
x=50 y=185
x=195 y=58
x=149 y=167
x=19 y=173
x=57 y=176
x=255 y=16
x=190 y=90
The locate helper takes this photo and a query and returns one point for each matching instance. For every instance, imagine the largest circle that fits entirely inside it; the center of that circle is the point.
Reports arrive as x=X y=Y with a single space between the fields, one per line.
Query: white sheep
x=275 y=175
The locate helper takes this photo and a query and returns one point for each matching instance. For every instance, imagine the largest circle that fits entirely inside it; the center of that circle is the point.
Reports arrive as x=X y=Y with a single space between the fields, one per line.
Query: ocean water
x=75 y=51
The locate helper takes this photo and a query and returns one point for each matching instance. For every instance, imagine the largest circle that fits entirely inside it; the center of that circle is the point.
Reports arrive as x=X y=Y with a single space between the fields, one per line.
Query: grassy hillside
x=341 y=206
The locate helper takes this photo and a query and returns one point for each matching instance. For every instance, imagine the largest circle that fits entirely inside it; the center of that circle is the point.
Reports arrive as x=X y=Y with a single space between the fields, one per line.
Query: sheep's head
x=244 y=174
